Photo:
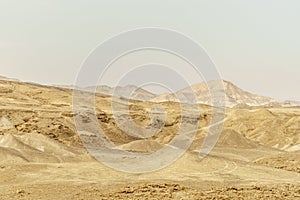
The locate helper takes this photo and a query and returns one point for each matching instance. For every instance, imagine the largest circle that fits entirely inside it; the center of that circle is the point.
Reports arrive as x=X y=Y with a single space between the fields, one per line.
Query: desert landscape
x=42 y=156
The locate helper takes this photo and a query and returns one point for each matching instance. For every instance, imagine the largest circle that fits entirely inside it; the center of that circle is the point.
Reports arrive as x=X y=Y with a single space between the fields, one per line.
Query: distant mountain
x=66 y=86
x=128 y=92
x=234 y=96
x=8 y=79
x=289 y=103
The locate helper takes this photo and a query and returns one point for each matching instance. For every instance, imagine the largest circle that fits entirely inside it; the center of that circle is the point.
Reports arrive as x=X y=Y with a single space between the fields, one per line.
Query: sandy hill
x=37 y=148
x=41 y=152
x=33 y=108
x=277 y=127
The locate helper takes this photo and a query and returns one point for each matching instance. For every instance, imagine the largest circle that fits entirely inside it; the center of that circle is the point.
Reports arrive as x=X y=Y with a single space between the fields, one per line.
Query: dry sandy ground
x=42 y=157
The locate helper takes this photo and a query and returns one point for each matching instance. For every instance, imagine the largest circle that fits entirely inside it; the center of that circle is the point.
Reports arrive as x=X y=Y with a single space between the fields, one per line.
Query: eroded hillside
x=258 y=149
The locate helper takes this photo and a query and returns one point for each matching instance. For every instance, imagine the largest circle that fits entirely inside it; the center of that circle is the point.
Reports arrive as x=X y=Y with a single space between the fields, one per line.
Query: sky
x=255 y=44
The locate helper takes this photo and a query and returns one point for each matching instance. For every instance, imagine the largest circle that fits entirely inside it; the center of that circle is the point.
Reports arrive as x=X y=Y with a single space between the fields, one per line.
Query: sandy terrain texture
x=43 y=157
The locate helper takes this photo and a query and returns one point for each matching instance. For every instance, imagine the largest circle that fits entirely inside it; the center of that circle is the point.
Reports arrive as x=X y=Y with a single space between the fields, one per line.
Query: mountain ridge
x=234 y=96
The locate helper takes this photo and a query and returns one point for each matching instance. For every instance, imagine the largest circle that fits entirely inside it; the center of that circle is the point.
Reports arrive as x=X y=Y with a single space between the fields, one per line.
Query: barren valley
x=42 y=156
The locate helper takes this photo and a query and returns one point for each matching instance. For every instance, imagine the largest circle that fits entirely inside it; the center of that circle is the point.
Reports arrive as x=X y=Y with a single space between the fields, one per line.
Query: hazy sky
x=255 y=43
